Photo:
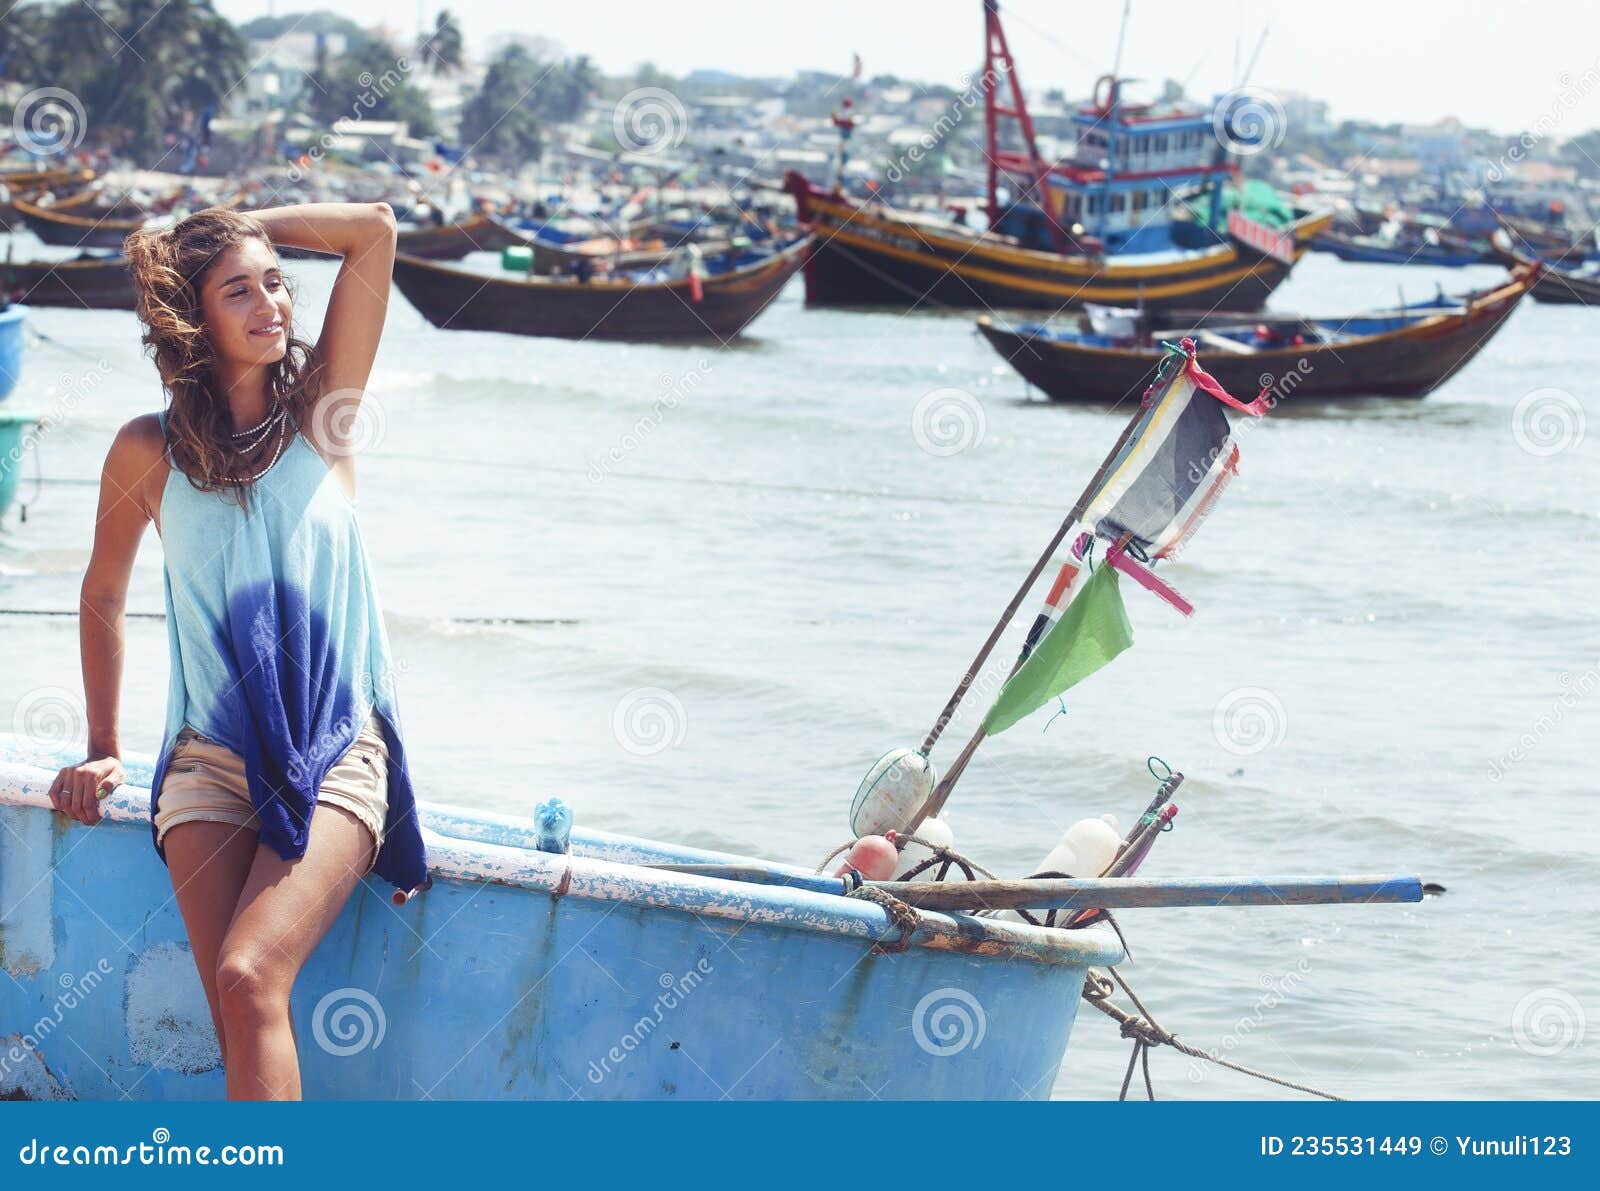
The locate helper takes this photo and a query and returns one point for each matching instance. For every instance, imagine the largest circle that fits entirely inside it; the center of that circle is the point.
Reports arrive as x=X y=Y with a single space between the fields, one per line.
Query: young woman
x=282 y=779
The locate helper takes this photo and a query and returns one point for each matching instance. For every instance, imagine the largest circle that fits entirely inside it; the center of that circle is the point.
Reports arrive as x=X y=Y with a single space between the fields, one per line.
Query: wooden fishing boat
x=88 y=280
x=521 y=974
x=16 y=184
x=1376 y=250
x=869 y=255
x=446 y=242
x=64 y=229
x=1406 y=352
x=1557 y=286
x=634 y=307
x=452 y=241
x=1107 y=225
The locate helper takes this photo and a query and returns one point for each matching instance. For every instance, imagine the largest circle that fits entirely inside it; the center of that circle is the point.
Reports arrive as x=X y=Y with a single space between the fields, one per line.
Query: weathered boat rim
x=595 y=878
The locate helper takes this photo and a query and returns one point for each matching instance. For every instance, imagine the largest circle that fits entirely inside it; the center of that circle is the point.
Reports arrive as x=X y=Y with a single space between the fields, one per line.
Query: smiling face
x=246 y=305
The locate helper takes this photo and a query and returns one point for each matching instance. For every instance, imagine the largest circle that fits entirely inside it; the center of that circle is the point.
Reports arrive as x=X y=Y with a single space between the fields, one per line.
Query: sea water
x=694 y=591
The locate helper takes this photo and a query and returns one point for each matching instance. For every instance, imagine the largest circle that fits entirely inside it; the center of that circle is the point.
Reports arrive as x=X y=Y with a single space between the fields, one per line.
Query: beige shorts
x=205 y=781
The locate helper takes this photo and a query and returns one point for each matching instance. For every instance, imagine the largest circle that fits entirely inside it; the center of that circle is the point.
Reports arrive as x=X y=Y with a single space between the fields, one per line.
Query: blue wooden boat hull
x=520 y=974
x=12 y=320
x=1378 y=254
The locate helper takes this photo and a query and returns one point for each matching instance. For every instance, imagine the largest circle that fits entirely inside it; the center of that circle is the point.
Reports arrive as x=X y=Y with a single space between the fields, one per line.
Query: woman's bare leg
x=208 y=864
x=284 y=911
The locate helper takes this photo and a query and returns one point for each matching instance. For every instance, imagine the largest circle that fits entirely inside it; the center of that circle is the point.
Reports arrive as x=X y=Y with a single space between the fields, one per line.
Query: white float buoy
x=896 y=785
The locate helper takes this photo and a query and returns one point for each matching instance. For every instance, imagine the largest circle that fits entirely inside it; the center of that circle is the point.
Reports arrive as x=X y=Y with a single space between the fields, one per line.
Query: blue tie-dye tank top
x=278 y=646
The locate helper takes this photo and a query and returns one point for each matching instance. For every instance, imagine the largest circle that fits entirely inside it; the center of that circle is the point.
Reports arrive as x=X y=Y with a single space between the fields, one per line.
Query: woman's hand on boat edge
x=76 y=790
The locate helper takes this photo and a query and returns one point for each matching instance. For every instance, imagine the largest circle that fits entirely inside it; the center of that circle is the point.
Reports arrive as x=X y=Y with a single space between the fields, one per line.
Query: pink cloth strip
x=1204 y=380
x=1146 y=578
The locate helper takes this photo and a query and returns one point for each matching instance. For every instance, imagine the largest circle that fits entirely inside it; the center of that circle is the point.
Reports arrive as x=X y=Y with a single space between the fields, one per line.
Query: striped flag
x=1172 y=469
x=1060 y=591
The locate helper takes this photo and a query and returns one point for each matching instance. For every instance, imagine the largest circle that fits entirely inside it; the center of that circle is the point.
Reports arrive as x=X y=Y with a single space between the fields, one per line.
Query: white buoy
x=937 y=833
x=1085 y=850
x=897 y=784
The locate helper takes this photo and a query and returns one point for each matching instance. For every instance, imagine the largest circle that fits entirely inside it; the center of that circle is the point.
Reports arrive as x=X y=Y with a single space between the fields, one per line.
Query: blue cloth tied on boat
x=278 y=647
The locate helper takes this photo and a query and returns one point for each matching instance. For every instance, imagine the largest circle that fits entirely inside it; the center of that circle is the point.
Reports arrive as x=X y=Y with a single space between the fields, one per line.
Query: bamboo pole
x=941 y=793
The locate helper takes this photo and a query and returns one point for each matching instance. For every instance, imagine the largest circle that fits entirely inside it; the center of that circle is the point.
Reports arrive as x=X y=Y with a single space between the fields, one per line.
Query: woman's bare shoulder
x=139 y=442
x=137 y=462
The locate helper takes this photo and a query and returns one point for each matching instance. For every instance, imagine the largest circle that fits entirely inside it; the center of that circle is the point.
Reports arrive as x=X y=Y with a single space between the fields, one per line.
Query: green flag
x=1093 y=630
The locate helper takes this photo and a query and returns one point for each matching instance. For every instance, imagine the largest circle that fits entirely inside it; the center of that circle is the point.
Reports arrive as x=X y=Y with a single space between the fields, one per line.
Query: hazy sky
x=1499 y=65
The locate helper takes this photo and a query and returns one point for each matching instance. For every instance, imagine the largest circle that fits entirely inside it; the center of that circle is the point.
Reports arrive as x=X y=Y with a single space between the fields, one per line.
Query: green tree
x=370 y=81
x=503 y=119
x=441 y=51
x=23 y=36
x=142 y=68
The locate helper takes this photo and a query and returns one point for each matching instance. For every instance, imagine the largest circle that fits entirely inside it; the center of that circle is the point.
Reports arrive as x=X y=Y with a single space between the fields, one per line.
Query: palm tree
x=143 y=68
x=441 y=50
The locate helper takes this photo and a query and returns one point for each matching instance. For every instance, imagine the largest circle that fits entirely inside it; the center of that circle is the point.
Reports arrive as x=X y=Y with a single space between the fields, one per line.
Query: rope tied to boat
x=902 y=915
x=1146 y=1033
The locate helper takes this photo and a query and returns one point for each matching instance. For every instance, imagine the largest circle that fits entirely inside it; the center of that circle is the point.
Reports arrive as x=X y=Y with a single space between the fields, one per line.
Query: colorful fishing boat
x=1405 y=352
x=645 y=307
x=92 y=281
x=1106 y=226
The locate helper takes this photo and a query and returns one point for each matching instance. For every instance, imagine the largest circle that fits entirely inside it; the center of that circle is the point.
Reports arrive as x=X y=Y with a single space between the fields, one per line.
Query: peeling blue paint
x=489 y=986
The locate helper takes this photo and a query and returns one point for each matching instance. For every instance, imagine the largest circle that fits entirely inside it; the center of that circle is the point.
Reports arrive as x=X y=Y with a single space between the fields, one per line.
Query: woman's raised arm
x=364 y=235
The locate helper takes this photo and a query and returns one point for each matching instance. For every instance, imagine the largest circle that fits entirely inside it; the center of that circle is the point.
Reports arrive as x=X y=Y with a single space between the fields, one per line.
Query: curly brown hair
x=169 y=269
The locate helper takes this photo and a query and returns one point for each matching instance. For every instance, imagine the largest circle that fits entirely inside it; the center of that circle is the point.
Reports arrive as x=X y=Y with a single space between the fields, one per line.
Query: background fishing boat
x=638 y=307
x=15 y=184
x=1400 y=250
x=1407 y=352
x=67 y=229
x=1560 y=286
x=1108 y=225
x=95 y=281
x=441 y=242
